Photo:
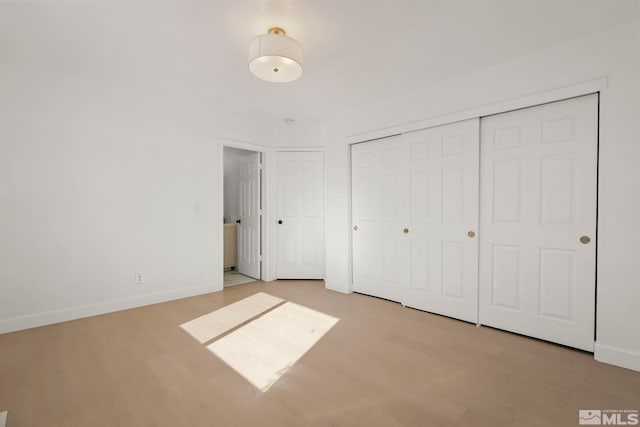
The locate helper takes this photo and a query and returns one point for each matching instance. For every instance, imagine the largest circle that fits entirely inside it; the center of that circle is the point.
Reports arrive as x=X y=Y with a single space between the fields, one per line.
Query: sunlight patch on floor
x=264 y=349
x=207 y=327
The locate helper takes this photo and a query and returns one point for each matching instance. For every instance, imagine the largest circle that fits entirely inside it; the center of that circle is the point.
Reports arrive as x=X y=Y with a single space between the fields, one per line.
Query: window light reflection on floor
x=264 y=349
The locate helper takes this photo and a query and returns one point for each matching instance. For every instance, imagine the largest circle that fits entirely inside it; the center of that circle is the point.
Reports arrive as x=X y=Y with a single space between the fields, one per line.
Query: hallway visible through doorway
x=232 y=278
x=242 y=212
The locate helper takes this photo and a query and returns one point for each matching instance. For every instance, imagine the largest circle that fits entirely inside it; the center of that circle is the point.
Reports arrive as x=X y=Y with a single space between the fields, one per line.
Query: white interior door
x=300 y=215
x=442 y=250
x=249 y=210
x=380 y=213
x=539 y=189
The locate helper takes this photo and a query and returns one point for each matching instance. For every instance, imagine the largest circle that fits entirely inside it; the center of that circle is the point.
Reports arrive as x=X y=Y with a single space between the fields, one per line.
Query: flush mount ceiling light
x=275 y=57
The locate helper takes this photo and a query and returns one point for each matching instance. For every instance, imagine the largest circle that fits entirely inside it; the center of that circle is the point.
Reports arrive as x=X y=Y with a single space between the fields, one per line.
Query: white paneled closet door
x=380 y=212
x=414 y=201
x=442 y=249
x=538 y=221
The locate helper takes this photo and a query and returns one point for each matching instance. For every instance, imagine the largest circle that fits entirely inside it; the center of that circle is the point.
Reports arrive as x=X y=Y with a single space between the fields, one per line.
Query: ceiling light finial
x=275 y=57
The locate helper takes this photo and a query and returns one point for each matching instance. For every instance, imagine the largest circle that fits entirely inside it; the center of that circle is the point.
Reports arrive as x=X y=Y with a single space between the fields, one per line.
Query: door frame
x=266 y=272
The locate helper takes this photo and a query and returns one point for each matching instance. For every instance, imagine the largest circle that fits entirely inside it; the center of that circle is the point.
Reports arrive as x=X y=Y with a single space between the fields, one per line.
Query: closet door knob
x=279 y=221
x=355 y=228
x=585 y=239
x=405 y=231
x=471 y=234
x=238 y=221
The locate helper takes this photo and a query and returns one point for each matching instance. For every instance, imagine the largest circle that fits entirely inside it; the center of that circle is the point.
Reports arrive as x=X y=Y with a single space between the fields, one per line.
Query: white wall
x=100 y=180
x=613 y=55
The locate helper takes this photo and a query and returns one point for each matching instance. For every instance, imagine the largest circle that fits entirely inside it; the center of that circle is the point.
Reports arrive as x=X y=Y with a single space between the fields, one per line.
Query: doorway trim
x=266 y=271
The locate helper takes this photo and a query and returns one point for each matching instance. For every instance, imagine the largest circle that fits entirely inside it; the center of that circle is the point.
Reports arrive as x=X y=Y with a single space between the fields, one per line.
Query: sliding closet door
x=538 y=221
x=443 y=220
x=380 y=212
x=415 y=215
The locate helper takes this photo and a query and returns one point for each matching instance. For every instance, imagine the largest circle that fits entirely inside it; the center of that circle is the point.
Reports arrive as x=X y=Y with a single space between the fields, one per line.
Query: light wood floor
x=381 y=365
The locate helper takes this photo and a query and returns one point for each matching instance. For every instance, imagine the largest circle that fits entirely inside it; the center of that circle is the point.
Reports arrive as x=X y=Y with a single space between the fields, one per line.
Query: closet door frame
x=596 y=86
x=531 y=100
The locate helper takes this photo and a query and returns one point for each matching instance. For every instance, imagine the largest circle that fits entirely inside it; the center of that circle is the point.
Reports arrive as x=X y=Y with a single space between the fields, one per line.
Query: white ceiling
x=356 y=51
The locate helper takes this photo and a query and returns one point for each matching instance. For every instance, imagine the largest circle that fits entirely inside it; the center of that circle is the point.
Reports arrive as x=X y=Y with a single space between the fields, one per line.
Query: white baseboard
x=3 y=418
x=617 y=356
x=72 y=313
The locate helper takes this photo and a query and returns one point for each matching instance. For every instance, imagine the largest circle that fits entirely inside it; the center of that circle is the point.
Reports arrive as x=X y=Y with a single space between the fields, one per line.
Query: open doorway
x=242 y=216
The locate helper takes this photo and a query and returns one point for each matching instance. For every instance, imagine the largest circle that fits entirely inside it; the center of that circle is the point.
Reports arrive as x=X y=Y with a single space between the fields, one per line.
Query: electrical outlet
x=139 y=278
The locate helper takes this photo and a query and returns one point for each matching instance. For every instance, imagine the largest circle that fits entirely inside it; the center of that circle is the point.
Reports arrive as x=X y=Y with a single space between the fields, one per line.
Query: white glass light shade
x=275 y=58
